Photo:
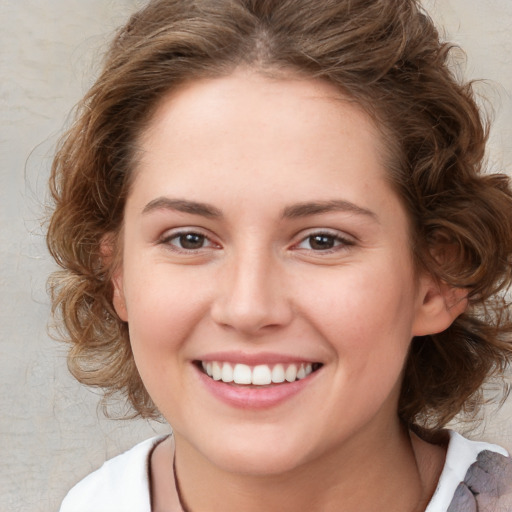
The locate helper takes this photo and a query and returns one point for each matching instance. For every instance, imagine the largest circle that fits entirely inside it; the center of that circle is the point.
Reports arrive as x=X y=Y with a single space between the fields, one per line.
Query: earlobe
x=108 y=256
x=441 y=305
x=118 y=299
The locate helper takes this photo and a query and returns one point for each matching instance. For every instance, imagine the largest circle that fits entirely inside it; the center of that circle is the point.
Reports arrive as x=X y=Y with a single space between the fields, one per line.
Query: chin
x=256 y=461
x=257 y=452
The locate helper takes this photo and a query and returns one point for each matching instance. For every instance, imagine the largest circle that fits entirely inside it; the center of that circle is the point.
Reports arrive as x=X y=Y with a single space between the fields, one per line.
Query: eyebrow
x=182 y=205
x=318 y=207
x=294 y=211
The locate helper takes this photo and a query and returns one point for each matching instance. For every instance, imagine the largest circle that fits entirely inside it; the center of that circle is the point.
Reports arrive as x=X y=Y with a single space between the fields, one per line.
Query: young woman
x=275 y=232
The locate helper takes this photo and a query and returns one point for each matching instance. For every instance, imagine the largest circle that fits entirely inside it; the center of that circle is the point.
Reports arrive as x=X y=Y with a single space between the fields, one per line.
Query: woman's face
x=261 y=238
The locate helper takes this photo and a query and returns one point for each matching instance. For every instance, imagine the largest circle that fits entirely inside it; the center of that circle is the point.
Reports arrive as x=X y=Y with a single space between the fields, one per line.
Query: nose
x=252 y=297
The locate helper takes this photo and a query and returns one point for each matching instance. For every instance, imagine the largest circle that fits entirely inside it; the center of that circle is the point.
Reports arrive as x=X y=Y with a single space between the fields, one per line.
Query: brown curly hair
x=388 y=57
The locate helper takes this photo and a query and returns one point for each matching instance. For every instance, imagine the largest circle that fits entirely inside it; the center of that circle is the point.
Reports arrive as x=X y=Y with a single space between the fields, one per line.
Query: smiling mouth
x=259 y=375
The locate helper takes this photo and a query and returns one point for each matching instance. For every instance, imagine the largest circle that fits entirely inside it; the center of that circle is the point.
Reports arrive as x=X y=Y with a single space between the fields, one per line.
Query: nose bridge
x=252 y=296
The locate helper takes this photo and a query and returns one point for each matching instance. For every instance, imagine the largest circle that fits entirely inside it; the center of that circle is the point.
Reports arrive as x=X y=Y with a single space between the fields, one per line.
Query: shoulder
x=477 y=476
x=122 y=484
x=487 y=485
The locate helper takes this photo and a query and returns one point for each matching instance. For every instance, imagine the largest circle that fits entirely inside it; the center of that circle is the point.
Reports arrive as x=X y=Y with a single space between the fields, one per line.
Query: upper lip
x=255 y=359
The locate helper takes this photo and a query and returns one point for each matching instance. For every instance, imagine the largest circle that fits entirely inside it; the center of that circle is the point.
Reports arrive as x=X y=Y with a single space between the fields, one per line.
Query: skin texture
x=253 y=148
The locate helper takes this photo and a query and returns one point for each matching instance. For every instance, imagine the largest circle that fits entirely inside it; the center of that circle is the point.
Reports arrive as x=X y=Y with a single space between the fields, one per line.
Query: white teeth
x=216 y=371
x=291 y=373
x=278 y=373
x=227 y=373
x=242 y=374
x=260 y=375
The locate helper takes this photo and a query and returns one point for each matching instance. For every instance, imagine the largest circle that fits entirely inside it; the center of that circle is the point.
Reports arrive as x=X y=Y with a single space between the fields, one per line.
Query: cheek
x=367 y=323
x=164 y=306
x=362 y=306
x=366 y=319
x=163 y=314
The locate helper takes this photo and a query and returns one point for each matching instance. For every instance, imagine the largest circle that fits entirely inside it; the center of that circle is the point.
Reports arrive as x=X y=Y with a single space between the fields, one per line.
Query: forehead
x=257 y=142
x=249 y=116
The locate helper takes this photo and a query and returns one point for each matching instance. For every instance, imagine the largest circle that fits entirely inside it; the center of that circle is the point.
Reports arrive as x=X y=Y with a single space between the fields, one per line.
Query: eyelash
x=339 y=243
x=167 y=240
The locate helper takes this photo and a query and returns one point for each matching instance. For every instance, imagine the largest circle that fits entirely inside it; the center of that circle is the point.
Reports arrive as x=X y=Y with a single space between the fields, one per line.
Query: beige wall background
x=51 y=432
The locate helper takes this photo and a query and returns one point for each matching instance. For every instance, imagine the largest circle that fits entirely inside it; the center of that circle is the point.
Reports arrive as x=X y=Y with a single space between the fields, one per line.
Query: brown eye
x=190 y=241
x=321 y=242
x=325 y=242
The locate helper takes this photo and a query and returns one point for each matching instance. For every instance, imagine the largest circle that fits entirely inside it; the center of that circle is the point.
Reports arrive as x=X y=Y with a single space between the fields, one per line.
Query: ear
x=118 y=299
x=439 y=305
x=109 y=258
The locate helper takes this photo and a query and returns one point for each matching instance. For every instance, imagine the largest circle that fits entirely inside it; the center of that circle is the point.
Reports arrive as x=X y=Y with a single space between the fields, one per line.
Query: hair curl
x=388 y=57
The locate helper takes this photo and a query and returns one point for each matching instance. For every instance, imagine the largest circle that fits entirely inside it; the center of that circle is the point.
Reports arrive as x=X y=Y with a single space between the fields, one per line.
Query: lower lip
x=253 y=397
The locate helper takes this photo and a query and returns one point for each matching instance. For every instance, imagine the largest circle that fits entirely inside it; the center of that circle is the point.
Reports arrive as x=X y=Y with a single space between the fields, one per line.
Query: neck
x=366 y=473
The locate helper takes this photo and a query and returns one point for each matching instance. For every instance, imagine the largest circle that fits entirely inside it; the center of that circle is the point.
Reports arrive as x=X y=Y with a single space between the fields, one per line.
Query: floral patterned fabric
x=487 y=486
